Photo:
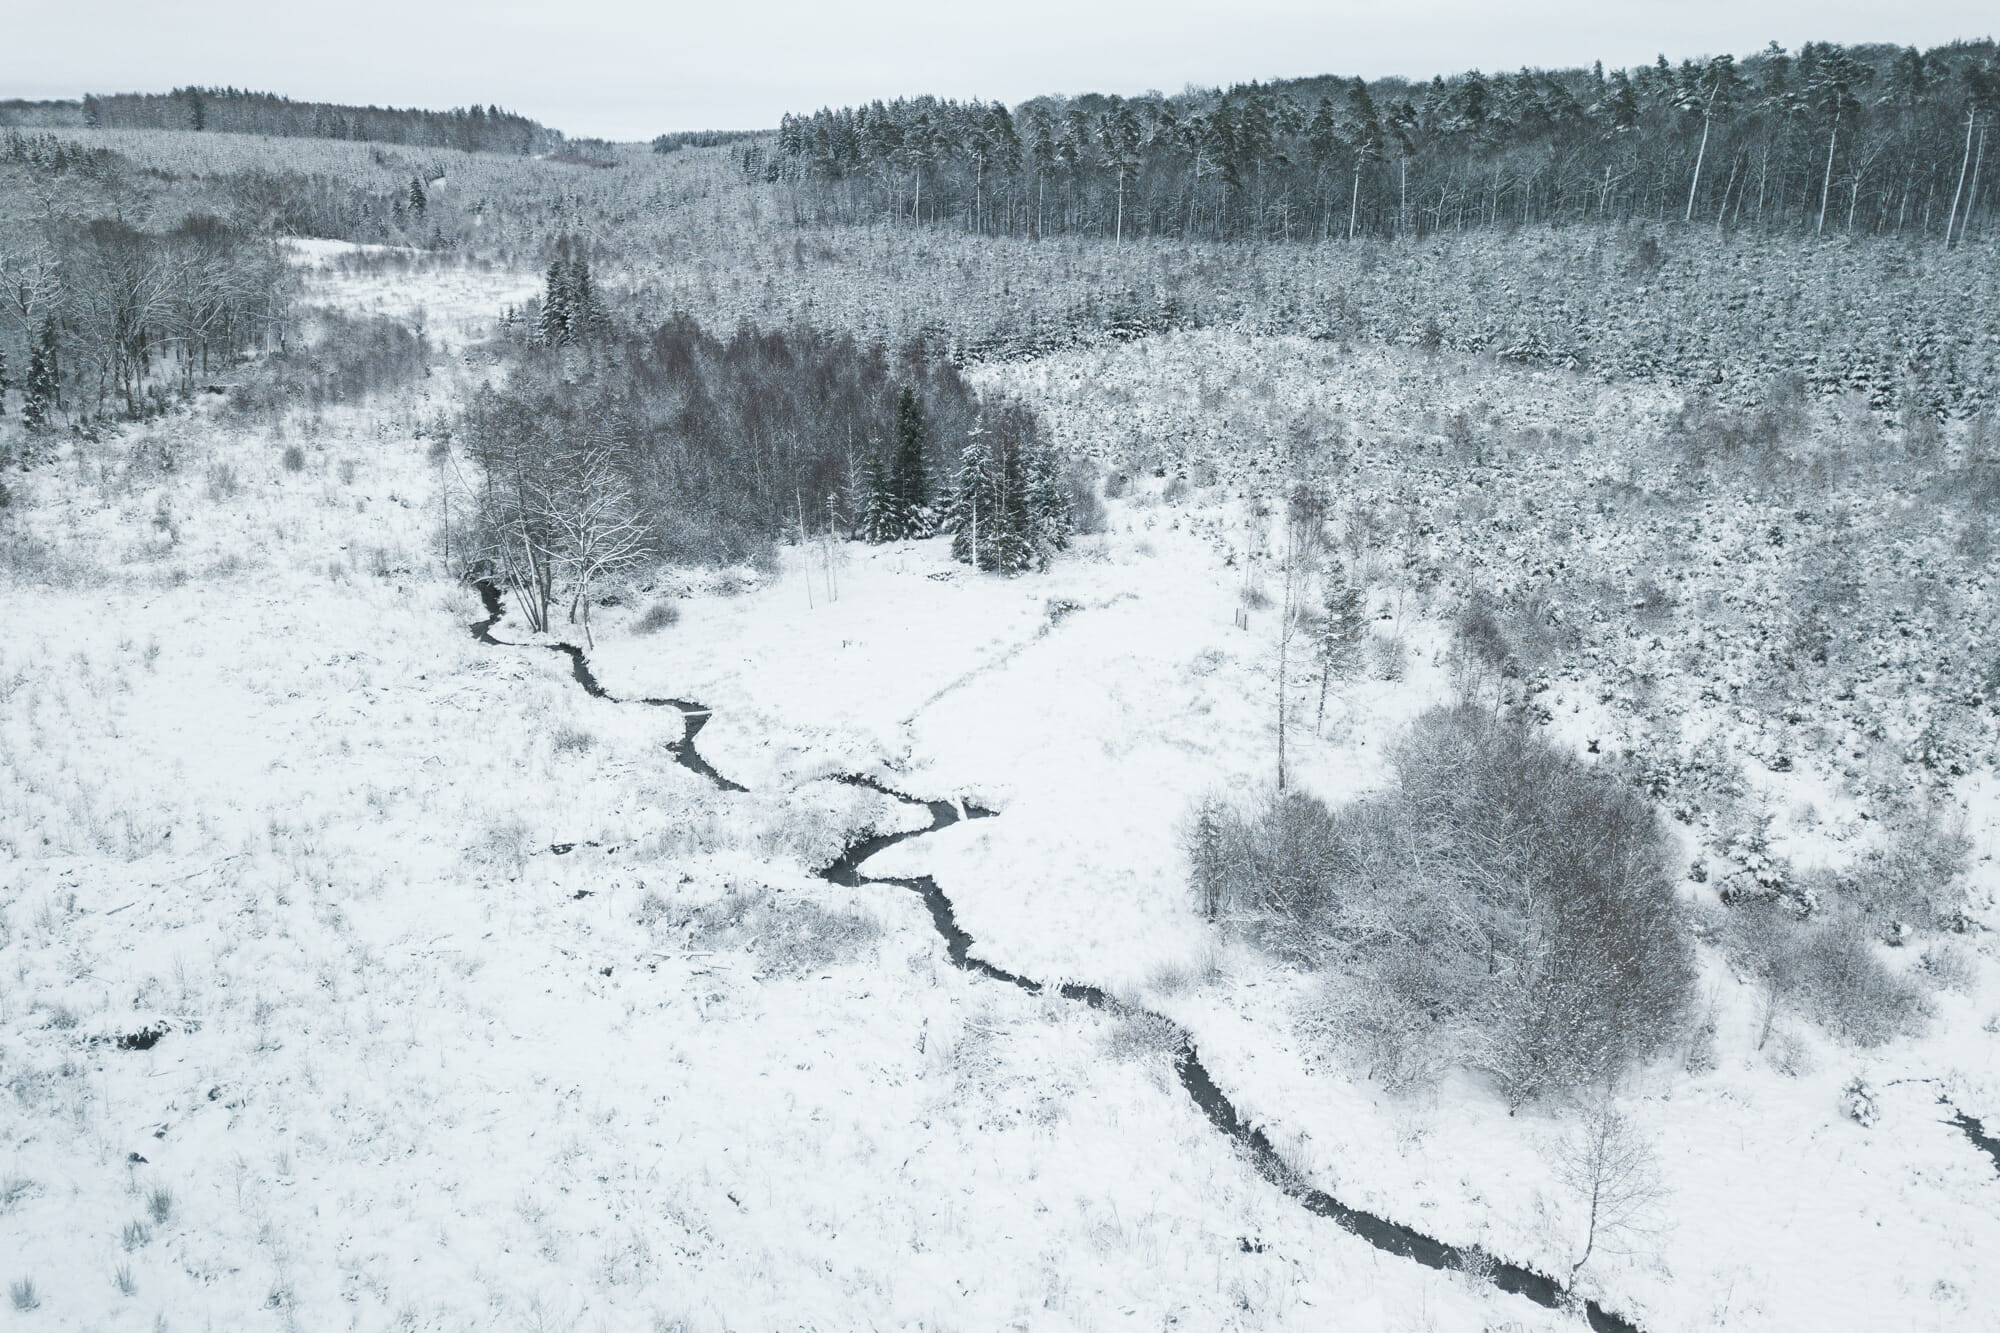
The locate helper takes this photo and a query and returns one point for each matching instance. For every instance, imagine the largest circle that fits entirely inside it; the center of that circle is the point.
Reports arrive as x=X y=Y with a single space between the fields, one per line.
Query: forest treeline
x=1857 y=138
x=101 y=318
x=679 y=139
x=474 y=129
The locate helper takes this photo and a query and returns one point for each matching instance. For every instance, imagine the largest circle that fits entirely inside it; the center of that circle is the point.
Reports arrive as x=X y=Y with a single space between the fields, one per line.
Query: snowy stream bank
x=1385 y=1235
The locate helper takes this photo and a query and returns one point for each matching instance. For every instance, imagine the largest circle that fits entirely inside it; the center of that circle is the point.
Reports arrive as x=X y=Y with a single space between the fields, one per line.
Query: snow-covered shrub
x=1950 y=967
x=788 y=935
x=1501 y=906
x=660 y=615
x=503 y=847
x=1390 y=658
x=1086 y=511
x=1789 y=1055
x=1914 y=878
x=1060 y=608
x=1178 y=975
x=1700 y=1058
x=567 y=739
x=1141 y=1037
x=348 y=358
x=1825 y=968
x=1857 y=1102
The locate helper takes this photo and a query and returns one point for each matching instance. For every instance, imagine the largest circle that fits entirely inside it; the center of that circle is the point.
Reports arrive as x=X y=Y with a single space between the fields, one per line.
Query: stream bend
x=1387 y=1236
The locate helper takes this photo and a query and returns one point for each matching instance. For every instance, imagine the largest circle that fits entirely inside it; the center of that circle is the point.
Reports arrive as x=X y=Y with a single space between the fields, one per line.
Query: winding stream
x=1390 y=1237
x=695 y=715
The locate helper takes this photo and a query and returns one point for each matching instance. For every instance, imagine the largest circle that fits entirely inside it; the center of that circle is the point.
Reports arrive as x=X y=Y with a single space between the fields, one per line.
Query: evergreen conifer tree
x=555 y=319
x=584 y=316
x=418 y=199
x=44 y=385
x=877 y=507
x=973 y=513
x=1049 y=518
x=1341 y=631
x=910 y=476
x=1008 y=510
x=1208 y=856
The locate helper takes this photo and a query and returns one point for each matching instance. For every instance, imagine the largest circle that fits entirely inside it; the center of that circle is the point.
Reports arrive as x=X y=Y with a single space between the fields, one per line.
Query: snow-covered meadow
x=354 y=973
x=307 y=1021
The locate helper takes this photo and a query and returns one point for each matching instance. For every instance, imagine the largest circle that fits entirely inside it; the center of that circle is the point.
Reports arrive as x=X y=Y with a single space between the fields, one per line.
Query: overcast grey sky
x=630 y=70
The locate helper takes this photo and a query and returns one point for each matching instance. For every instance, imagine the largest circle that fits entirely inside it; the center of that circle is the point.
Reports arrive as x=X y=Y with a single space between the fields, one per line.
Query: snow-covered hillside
x=355 y=972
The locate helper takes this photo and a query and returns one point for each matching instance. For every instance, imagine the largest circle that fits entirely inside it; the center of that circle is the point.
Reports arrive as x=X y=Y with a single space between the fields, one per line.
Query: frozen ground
x=304 y=1022
x=266 y=808
x=1095 y=732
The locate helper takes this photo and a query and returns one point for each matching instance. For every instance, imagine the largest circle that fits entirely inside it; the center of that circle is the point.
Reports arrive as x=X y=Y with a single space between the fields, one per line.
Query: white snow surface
x=261 y=792
x=263 y=797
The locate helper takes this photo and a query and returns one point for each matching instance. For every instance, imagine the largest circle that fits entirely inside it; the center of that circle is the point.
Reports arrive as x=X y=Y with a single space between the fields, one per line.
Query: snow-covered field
x=306 y=1024
x=305 y=1021
x=1095 y=733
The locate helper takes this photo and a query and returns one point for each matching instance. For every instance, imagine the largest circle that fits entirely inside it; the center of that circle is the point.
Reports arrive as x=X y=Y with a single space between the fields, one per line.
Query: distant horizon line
x=77 y=100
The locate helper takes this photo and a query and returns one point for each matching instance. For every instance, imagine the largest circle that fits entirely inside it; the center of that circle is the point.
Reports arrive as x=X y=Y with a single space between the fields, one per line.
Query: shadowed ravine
x=1390 y=1237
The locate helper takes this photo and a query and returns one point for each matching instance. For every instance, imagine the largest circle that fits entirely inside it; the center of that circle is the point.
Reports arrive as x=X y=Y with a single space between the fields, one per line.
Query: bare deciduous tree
x=593 y=530
x=1612 y=1172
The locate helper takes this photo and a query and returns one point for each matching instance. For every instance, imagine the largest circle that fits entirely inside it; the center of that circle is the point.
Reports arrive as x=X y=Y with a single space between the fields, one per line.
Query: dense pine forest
x=1874 y=139
x=474 y=129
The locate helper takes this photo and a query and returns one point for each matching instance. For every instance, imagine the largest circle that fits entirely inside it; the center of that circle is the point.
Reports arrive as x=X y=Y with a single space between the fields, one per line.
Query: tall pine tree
x=1049 y=519
x=554 y=325
x=875 y=506
x=910 y=475
x=570 y=312
x=974 y=513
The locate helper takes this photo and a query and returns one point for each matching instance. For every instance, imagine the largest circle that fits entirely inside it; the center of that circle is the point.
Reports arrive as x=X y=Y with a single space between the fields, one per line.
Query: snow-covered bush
x=1501 y=906
x=1825 y=969
x=660 y=615
x=1086 y=510
x=1950 y=966
x=789 y=936
x=1914 y=878
x=1857 y=1102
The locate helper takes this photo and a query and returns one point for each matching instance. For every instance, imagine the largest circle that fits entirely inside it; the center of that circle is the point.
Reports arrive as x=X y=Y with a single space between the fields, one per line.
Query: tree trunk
x=1827 y=184
x=1972 y=195
x=1699 y=157
x=1952 y=217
